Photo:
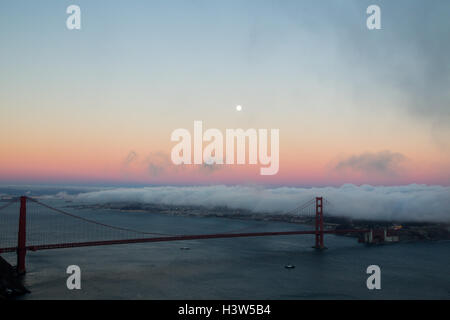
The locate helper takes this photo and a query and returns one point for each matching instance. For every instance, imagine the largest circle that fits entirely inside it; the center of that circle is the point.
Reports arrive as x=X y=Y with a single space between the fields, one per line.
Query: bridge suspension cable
x=304 y=207
x=96 y=222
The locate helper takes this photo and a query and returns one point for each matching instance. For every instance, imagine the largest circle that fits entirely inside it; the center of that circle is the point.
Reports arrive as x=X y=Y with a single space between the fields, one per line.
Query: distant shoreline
x=409 y=231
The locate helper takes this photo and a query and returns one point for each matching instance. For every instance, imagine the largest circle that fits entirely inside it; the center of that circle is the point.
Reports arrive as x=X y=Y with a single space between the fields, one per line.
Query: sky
x=98 y=105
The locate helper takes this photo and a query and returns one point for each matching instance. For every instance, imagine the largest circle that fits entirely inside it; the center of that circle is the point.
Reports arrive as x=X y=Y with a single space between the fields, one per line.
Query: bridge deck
x=177 y=238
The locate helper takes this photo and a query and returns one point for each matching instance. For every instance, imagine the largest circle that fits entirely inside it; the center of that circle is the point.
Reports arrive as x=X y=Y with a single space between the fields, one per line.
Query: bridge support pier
x=22 y=236
x=319 y=224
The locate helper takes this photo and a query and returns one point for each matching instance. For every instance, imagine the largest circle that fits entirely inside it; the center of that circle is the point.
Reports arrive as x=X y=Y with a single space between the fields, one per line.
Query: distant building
x=379 y=236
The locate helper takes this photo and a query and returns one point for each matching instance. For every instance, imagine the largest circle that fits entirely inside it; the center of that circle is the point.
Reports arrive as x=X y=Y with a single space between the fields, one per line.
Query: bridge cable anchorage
x=96 y=222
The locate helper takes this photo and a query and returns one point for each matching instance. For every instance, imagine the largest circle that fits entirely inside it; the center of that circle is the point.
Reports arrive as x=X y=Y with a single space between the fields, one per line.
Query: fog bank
x=404 y=203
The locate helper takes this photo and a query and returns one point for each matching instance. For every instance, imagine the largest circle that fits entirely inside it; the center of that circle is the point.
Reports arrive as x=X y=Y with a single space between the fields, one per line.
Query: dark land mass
x=407 y=231
x=10 y=282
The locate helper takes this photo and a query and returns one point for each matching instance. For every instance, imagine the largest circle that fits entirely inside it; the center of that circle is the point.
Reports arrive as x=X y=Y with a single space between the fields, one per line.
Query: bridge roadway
x=178 y=238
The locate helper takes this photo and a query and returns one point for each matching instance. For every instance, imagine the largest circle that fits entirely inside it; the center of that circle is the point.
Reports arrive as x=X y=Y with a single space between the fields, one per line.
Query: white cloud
x=383 y=162
x=405 y=203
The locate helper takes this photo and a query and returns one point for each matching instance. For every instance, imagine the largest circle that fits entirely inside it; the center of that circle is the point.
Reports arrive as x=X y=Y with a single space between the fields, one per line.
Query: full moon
x=238 y=107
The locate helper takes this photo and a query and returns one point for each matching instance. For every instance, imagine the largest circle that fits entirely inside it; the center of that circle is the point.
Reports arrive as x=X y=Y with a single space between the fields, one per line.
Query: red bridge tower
x=319 y=224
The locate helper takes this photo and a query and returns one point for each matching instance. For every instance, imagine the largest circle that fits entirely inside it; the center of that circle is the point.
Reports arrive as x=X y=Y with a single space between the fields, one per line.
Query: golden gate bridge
x=24 y=233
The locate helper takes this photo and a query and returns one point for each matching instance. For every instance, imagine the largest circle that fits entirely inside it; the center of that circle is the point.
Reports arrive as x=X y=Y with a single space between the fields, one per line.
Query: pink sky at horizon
x=93 y=164
x=352 y=105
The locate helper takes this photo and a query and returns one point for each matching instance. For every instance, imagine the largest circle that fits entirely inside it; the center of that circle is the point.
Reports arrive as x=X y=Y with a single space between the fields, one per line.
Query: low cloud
x=132 y=156
x=404 y=203
x=158 y=163
x=384 y=162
